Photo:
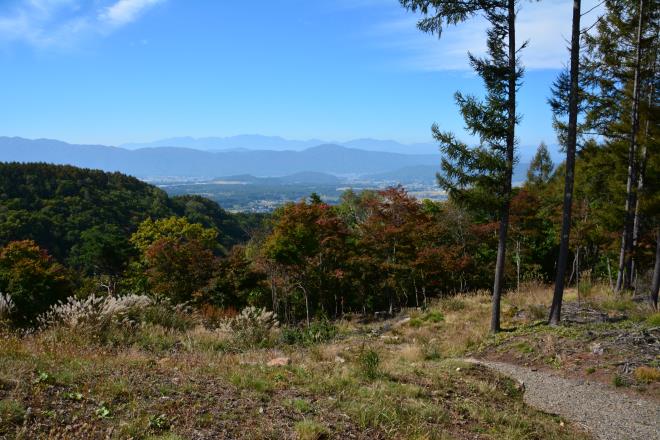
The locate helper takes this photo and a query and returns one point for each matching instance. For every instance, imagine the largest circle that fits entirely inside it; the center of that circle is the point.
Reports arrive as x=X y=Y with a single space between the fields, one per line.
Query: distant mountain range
x=276 y=143
x=185 y=162
x=321 y=164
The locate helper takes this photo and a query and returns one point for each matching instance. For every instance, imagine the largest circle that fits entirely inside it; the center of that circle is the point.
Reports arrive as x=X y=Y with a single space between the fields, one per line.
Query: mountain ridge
x=188 y=162
x=278 y=143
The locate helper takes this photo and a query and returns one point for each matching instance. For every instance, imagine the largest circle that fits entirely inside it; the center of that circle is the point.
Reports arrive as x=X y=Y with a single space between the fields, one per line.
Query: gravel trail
x=607 y=414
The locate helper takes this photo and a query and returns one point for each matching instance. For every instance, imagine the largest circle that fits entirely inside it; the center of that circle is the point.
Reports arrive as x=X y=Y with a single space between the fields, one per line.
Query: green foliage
x=53 y=205
x=102 y=249
x=200 y=210
x=175 y=229
x=480 y=177
x=86 y=217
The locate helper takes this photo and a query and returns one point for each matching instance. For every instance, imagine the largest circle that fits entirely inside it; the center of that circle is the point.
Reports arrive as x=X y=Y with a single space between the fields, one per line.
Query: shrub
x=315 y=333
x=369 y=363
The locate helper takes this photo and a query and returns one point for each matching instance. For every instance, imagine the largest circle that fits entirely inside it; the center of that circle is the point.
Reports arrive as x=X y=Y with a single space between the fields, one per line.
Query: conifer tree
x=620 y=69
x=541 y=166
x=572 y=79
x=481 y=175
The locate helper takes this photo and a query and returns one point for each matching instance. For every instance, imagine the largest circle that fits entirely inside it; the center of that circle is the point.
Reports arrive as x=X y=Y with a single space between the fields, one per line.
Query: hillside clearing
x=396 y=378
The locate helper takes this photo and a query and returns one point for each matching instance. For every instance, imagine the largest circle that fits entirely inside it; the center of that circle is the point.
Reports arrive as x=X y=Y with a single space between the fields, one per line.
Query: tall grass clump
x=95 y=312
x=252 y=327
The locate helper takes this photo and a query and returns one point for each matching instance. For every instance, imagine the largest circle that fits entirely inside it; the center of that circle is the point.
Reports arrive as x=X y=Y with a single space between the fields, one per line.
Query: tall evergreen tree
x=570 y=145
x=482 y=174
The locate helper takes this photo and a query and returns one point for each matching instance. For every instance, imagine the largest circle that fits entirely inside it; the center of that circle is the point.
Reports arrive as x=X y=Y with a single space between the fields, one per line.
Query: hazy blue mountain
x=186 y=162
x=276 y=143
x=258 y=142
x=245 y=141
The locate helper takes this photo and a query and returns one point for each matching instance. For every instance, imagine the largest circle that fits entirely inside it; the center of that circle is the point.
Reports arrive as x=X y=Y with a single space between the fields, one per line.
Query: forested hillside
x=54 y=205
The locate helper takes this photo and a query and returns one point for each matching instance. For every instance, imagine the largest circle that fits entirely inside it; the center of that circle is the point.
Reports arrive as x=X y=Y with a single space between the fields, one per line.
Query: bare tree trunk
x=569 y=178
x=306 y=302
x=577 y=274
x=416 y=293
x=510 y=145
x=642 y=165
x=609 y=274
x=655 y=284
x=624 y=277
x=573 y=266
x=517 y=265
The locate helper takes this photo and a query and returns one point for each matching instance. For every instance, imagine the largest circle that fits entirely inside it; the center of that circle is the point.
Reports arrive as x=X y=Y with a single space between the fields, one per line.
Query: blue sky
x=114 y=71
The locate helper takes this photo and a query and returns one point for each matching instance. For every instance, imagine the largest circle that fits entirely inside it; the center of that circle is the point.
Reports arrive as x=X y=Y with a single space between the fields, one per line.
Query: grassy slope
x=394 y=379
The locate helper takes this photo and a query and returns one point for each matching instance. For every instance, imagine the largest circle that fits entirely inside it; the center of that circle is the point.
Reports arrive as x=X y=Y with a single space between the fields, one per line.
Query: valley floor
x=387 y=379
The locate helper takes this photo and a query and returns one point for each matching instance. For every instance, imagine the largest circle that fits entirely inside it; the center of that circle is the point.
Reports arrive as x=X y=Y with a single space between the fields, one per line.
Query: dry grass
x=647 y=374
x=394 y=379
x=163 y=383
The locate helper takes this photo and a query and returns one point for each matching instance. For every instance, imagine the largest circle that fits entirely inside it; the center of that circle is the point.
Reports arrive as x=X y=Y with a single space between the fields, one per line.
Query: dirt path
x=607 y=414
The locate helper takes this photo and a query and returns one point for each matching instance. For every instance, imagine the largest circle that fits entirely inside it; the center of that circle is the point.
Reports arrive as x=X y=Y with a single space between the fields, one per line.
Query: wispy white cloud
x=125 y=11
x=546 y=25
x=62 y=23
